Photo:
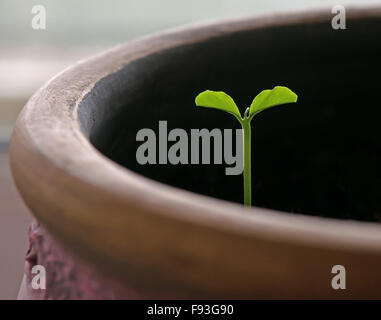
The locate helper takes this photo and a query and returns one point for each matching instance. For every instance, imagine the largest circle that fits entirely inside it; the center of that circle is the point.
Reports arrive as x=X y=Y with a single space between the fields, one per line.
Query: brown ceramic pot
x=180 y=231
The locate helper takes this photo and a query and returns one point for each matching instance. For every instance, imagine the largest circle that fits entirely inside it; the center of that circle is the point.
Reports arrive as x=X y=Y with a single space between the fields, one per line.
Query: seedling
x=266 y=99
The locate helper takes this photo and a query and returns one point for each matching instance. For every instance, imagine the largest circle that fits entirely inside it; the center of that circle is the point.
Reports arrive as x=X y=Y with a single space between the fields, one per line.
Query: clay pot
x=181 y=231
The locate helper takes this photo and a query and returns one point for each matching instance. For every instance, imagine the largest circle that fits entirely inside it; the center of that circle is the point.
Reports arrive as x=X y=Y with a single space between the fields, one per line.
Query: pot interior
x=320 y=156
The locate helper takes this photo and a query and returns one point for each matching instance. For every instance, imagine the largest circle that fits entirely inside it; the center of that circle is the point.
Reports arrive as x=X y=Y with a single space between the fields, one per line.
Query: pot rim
x=48 y=133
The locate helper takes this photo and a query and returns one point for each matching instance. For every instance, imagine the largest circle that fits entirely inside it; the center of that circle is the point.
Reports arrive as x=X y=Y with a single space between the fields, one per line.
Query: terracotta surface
x=160 y=239
x=14 y=220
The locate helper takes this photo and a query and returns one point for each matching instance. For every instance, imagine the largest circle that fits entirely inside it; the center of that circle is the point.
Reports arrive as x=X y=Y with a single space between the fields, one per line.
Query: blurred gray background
x=75 y=29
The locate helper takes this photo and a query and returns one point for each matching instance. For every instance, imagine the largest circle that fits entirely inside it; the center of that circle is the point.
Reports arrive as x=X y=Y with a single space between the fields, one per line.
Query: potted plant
x=266 y=99
x=180 y=230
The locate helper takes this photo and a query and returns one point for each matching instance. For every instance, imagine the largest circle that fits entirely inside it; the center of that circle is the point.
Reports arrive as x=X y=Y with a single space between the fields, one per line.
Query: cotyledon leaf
x=217 y=100
x=271 y=98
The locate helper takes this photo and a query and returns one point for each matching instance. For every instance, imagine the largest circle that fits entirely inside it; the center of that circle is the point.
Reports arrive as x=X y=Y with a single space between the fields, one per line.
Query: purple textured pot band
x=67 y=276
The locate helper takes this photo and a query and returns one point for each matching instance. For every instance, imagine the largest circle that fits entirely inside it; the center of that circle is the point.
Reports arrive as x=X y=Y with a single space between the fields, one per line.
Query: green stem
x=246 y=161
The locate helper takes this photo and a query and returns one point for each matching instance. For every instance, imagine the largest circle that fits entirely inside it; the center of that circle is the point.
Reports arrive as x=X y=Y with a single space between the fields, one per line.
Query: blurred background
x=74 y=30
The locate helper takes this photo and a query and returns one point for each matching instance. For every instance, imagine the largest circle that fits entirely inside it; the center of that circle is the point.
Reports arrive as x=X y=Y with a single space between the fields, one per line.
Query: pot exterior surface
x=66 y=276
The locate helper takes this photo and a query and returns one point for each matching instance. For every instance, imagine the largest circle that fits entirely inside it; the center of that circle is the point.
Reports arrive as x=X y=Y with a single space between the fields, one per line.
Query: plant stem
x=246 y=161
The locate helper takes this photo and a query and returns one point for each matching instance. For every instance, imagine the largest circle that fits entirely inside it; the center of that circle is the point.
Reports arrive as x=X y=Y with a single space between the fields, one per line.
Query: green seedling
x=266 y=99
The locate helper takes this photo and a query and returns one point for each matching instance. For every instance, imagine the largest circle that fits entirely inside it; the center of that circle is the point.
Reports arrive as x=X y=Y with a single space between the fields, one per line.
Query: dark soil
x=321 y=156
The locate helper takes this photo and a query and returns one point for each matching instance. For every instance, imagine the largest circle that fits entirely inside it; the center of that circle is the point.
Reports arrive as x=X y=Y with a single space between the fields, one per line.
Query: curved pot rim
x=57 y=169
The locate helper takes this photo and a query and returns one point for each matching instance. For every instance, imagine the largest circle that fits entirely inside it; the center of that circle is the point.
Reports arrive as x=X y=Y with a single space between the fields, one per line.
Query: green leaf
x=271 y=98
x=217 y=100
